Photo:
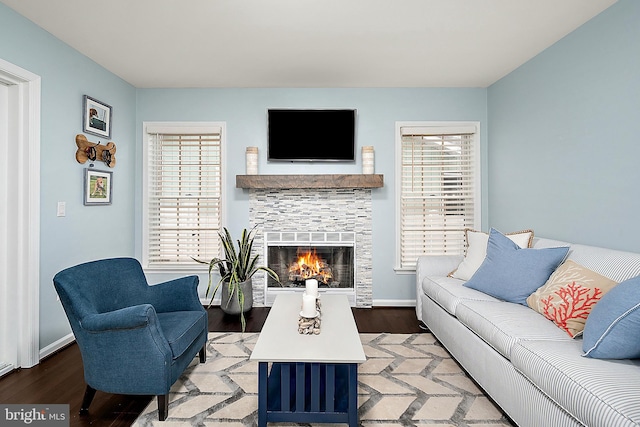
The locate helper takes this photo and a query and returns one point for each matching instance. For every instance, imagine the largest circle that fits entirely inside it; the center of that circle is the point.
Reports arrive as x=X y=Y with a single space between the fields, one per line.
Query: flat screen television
x=311 y=135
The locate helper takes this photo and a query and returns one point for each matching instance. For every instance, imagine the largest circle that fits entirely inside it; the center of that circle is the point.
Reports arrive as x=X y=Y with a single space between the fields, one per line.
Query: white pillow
x=477 y=250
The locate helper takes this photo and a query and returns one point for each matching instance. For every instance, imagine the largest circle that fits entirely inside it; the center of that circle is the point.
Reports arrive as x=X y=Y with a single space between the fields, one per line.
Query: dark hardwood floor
x=59 y=379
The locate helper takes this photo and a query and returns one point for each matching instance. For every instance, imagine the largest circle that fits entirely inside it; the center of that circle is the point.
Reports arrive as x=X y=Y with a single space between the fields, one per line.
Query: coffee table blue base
x=308 y=392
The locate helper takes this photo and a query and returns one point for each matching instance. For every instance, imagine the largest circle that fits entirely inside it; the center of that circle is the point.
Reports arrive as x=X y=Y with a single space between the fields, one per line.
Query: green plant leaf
x=236 y=267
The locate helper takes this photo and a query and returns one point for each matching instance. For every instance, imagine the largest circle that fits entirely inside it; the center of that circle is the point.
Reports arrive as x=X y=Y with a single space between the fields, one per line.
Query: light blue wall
x=564 y=146
x=244 y=111
x=85 y=233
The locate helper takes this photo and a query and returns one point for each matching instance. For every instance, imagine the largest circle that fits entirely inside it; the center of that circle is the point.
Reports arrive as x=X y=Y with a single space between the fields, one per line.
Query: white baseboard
x=57 y=345
x=6 y=369
x=394 y=303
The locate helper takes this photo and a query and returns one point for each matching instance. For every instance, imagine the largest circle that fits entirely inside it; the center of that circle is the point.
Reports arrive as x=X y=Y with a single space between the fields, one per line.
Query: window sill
x=404 y=270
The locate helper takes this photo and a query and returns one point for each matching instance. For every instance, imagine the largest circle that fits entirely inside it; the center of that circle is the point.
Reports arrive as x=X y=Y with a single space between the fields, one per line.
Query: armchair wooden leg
x=203 y=353
x=163 y=406
x=86 y=400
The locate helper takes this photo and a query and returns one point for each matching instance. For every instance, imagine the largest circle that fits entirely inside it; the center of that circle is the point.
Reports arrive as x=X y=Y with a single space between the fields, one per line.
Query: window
x=438 y=193
x=182 y=193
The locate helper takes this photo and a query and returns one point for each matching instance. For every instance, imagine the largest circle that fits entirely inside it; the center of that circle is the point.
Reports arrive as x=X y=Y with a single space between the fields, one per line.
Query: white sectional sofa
x=530 y=367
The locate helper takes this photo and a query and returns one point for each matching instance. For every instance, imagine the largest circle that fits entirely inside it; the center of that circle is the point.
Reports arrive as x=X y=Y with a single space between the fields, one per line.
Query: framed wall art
x=98 y=187
x=96 y=118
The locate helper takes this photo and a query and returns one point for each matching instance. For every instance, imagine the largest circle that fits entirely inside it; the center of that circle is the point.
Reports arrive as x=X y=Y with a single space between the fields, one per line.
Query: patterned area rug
x=407 y=380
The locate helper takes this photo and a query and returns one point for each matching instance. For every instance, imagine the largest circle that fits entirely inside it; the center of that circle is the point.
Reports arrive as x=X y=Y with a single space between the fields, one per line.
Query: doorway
x=19 y=217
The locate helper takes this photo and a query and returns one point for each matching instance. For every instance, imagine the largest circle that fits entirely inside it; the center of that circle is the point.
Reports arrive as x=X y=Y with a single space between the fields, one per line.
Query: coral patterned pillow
x=569 y=295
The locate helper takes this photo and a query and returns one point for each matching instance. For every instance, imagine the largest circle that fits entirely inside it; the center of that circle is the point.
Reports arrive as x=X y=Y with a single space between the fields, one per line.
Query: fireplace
x=328 y=257
x=339 y=216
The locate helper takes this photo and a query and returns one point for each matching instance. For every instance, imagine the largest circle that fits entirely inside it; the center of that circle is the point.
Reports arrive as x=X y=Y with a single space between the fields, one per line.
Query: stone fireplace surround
x=330 y=203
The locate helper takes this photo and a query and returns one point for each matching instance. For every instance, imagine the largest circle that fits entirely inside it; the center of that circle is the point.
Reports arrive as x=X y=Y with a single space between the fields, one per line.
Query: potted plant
x=236 y=271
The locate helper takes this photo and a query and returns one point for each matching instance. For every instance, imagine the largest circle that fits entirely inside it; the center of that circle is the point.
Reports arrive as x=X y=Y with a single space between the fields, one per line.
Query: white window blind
x=438 y=190
x=183 y=194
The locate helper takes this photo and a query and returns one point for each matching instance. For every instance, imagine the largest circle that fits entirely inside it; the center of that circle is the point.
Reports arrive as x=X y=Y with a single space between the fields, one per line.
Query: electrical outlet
x=62 y=209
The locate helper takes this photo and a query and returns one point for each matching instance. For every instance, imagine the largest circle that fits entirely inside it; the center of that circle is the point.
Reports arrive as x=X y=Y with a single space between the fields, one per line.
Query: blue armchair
x=134 y=338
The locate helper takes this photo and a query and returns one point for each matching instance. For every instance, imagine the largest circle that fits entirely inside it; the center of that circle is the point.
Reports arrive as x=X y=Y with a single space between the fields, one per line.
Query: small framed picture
x=97 y=117
x=98 y=187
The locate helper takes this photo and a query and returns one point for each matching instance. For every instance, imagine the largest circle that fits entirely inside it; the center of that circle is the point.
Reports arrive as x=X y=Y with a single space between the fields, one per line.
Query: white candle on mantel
x=308 y=305
x=311 y=287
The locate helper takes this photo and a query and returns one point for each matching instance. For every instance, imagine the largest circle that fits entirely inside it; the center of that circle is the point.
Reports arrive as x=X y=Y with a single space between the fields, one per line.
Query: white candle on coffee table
x=308 y=305
x=311 y=286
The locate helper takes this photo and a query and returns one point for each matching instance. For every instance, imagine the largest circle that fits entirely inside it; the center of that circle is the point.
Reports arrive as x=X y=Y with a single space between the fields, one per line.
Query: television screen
x=311 y=135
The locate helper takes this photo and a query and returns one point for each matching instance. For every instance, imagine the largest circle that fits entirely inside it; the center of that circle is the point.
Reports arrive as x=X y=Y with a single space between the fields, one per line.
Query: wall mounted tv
x=311 y=135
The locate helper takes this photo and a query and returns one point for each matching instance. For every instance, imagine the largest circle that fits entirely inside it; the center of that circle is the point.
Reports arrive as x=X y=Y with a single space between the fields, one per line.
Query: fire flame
x=310 y=266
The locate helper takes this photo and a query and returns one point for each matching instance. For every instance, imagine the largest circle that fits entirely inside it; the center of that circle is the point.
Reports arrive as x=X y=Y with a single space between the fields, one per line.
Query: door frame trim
x=26 y=213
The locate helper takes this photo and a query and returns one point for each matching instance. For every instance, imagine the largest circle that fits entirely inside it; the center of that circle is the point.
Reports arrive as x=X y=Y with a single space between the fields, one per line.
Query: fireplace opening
x=332 y=266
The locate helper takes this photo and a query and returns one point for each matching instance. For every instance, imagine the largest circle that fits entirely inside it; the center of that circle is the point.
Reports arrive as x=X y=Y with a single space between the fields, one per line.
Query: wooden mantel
x=309 y=181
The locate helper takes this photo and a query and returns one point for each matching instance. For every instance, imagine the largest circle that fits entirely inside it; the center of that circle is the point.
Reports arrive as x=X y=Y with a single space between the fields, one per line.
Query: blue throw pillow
x=613 y=326
x=512 y=273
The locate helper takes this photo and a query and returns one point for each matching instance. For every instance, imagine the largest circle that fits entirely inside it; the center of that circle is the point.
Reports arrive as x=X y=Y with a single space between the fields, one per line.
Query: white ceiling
x=310 y=43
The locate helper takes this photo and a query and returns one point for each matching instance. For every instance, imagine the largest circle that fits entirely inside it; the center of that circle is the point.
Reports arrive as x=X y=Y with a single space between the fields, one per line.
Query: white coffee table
x=313 y=378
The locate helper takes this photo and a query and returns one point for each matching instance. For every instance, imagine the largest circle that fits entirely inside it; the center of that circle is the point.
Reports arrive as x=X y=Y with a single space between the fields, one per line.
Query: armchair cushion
x=181 y=329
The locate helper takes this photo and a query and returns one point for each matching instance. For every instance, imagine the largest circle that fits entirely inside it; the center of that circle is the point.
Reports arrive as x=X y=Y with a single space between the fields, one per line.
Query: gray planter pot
x=233 y=306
